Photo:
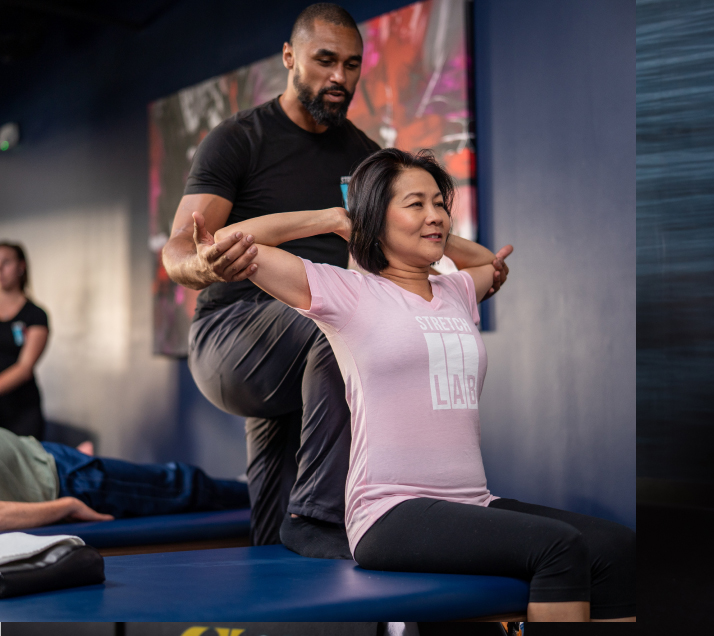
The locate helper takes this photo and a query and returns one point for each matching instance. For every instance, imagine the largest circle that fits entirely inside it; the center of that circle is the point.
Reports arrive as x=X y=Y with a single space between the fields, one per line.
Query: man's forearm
x=18 y=515
x=276 y=229
x=183 y=265
x=466 y=253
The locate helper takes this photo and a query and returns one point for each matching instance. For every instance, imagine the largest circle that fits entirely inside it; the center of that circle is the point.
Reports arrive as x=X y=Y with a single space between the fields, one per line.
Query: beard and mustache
x=328 y=114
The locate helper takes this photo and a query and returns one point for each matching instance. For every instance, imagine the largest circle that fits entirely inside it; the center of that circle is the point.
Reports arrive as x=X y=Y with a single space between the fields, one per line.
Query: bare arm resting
x=18 y=515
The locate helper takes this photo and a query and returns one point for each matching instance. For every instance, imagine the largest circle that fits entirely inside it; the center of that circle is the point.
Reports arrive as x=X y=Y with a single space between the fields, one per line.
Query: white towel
x=15 y=546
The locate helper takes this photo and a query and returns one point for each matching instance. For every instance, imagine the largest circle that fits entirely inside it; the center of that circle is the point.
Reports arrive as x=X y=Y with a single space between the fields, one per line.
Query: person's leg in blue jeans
x=124 y=489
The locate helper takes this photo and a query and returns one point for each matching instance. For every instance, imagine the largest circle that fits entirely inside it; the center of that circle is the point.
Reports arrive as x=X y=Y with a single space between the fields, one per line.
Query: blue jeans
x=123 y=489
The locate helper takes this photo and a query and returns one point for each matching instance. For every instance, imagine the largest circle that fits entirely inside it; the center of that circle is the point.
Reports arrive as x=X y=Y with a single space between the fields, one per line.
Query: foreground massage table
x=267 y=583
x=195 y=530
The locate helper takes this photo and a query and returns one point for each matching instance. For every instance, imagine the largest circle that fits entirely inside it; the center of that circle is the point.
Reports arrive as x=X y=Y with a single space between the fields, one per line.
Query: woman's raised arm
x=476 y=260
x=276 y=271
x=275 y=229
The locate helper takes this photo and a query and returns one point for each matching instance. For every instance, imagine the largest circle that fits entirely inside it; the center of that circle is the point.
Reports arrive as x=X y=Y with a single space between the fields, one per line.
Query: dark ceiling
x=29 y=28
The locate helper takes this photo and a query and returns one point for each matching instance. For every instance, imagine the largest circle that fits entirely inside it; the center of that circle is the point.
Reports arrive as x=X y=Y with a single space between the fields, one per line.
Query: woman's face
x=417 y=224
x=11 y=269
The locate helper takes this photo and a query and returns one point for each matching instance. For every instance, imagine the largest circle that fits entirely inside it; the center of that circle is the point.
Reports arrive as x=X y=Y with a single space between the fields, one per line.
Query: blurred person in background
x=43 y=483
x=23 y=338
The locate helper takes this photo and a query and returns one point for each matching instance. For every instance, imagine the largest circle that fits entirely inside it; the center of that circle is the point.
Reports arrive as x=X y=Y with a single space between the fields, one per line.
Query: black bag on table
x=59 y=566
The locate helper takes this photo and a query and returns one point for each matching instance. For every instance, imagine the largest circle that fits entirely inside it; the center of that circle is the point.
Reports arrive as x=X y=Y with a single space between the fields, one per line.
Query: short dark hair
x=325 y=11
x=370 y=191
x=20 y=253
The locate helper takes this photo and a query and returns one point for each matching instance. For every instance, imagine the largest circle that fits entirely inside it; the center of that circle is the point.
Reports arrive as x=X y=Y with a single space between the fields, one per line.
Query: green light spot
x=4 y=145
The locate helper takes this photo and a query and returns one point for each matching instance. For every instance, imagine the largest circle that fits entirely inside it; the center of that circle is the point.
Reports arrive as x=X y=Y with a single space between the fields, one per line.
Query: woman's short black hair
x=370 y=191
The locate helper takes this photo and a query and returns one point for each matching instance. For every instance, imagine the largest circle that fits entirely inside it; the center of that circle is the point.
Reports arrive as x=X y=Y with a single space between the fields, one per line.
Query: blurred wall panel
x=675 y=251
x=80 y=274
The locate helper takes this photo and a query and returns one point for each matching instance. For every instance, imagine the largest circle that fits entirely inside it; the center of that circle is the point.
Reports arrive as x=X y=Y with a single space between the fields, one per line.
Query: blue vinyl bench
x=267 y=583
x=159 y=529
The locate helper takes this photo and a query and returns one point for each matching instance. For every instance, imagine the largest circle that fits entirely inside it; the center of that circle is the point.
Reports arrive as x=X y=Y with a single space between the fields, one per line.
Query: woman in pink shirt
x=414 y=363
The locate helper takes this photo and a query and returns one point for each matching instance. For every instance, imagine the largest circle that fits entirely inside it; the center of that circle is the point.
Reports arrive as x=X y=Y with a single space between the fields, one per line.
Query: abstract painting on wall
x=414 y=92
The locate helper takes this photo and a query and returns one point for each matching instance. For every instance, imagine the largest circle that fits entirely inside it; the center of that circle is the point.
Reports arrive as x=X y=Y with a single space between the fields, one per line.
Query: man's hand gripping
x=225 y=261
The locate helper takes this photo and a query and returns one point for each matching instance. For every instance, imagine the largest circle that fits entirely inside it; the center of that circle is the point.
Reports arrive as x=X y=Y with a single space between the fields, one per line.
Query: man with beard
x=252 y=355
x=249 y=354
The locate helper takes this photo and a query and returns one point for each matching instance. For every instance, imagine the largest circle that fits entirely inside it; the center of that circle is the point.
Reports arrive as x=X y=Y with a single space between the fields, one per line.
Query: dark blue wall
x=556 y=121
x=555 y=102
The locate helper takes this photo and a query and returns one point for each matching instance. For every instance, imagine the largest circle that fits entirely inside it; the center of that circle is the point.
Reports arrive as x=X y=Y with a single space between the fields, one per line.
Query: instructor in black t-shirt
x=23 y=337
x=250 y=354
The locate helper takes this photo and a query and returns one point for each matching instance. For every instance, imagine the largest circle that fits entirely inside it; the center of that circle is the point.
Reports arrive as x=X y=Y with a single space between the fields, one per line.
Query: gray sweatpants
x=264 y=361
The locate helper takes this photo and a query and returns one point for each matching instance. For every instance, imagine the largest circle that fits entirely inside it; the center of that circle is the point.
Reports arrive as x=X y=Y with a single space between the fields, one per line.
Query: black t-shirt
x=265 y=163
x=12 y=339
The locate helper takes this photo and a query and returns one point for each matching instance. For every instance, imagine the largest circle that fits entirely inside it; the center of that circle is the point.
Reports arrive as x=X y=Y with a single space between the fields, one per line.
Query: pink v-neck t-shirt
x=413 y=374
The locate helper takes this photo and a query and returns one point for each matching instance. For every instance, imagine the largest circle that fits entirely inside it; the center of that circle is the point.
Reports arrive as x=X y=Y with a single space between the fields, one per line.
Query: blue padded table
x=193 y=526
x=267 y=583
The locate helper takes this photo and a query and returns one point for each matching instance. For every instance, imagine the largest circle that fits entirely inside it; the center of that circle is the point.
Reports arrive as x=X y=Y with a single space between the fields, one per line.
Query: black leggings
x=566 y=556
